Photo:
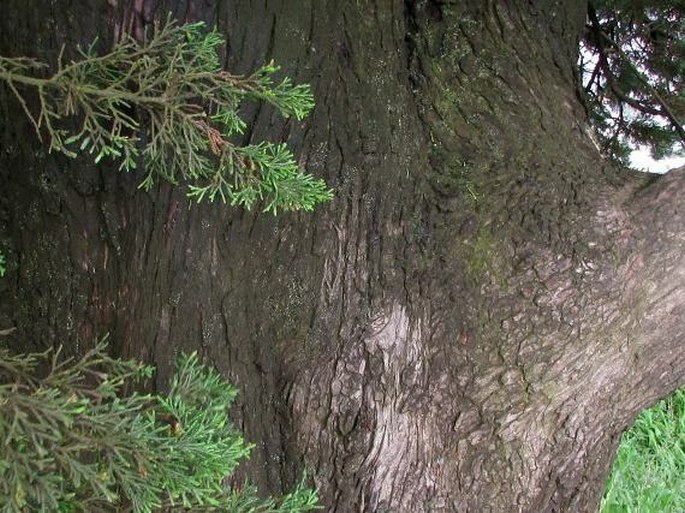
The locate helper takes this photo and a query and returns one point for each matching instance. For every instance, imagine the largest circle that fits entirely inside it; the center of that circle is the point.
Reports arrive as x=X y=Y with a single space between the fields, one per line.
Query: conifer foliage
x=168 y=106
x=632 y=65
x=73 y=440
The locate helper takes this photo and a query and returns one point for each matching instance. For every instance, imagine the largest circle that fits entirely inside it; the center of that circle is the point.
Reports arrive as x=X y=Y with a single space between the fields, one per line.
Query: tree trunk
x=468 y=326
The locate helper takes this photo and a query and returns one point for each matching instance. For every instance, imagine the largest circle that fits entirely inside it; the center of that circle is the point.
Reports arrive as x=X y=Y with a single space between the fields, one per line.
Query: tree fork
x=413 y=347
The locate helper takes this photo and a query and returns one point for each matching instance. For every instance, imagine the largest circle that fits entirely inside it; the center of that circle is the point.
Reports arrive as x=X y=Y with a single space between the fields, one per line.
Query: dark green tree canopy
x=632 y=64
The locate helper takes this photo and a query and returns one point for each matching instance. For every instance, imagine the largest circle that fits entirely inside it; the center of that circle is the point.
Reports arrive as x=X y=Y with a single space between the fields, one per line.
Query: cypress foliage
x=72 y=440
x=632 y=65
x=166 y=105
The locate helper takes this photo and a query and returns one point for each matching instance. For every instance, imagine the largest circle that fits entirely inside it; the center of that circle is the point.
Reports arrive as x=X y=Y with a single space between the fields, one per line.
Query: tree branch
x=665 y=111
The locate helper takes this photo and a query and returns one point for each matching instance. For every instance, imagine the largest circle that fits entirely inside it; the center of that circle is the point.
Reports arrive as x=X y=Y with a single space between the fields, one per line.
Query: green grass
x=649 y=471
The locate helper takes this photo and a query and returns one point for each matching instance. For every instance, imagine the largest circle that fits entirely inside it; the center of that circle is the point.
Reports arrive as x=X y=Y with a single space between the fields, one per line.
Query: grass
x=649 y=471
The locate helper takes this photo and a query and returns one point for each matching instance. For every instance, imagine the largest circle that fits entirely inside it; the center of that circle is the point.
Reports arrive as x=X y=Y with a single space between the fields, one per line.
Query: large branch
x=659 y=275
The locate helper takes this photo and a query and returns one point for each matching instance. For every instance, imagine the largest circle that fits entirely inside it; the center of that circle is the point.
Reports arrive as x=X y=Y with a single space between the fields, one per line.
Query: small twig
x=25 y=107
x=593 y=77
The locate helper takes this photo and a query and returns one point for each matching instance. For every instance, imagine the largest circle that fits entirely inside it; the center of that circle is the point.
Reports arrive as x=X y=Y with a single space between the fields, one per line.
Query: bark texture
x=468 y=326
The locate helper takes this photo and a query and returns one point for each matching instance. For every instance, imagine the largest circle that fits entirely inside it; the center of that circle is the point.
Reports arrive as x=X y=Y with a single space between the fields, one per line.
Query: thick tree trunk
x=468 y=326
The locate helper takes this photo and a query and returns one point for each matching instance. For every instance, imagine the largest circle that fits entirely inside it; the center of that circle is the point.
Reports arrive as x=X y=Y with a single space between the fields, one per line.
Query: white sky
x=641 y=159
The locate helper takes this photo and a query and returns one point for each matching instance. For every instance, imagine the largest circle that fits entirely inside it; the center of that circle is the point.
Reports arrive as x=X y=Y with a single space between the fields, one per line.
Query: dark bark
x=468 y=326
